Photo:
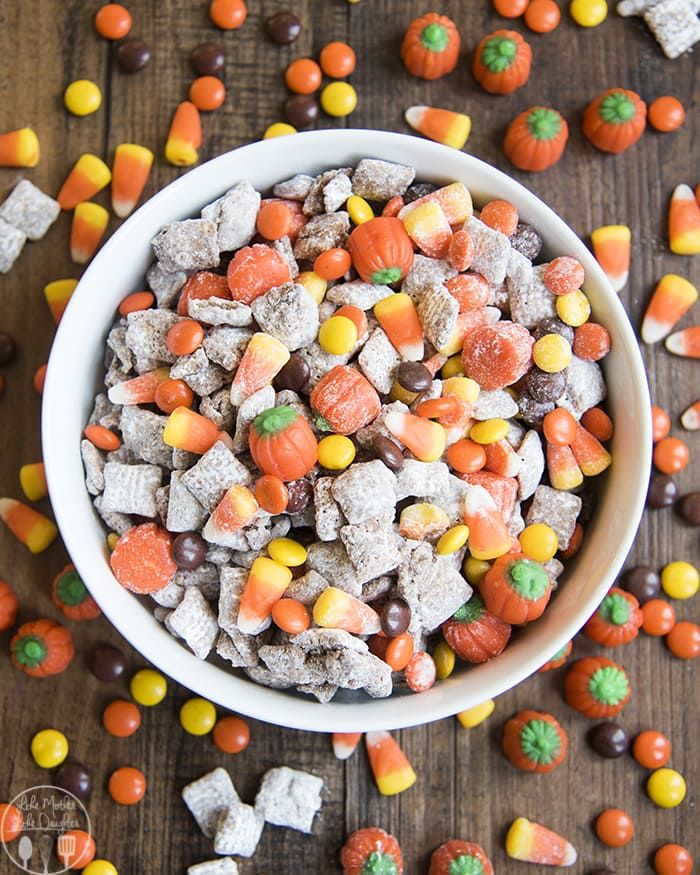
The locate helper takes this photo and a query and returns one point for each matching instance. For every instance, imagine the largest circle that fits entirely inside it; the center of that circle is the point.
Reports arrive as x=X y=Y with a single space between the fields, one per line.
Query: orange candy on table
x=614 y=827
x=559 y=427
x=102 y=438
x=113 y=21
x=228 y=14
x=333 y=263
x=673 y=859
x=82 y=849
x=684 y=640
x=598 y=423
x=121 y=718
x=142 y=559
x=127 y=785
x=184 y=337
x=11 y=822
x=542 y=16
x=136 y=301
x=271 y=493
x=274 y=220
x=510 y=8
x=337 y=60
x=660 y=423
x=671 y=455
x=303 y=76
x=39 y=379
x=291 y=616
x=501 y=216
x=207 y=93
x=658 y=617
x=651 y=749
x=171 y=394
x=666 y=114
x=231 y=734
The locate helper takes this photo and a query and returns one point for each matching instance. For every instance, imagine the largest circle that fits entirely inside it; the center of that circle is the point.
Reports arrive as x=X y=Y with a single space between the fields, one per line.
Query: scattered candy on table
x=30 y=527
x=533 y=843
x=127 y=785
x=534 y=741
x=82 y=97
x=614 y=827
x=19 y=148
x=89 y=225
x=392 y=771
x=612 y=245
x=130 y=172
x=49 y=748
x=459 y=856
x=442 y=125
x=371 y=849
x=671 y=300
x=666 y=788
x=684 y=222
x=535 y=140
x=121 y=718
x=148 y=687
x=615 y=120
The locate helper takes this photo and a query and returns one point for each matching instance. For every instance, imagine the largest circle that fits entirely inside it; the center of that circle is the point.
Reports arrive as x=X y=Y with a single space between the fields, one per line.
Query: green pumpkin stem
x=30 y=651
x=544 y=123
x=528 y=579
x=465 y=864
x=470 y=611
x=274 y=421
x=615 y=609
x=379 y=864
x=608 y=685
x=386 y=276
x=498 y=54
x=435 y=37
x=616 y=108
x=540 y=742
x=70 y=589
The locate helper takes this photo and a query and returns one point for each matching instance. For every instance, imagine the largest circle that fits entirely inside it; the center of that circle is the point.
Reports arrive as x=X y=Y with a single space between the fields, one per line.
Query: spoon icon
x=25 y=849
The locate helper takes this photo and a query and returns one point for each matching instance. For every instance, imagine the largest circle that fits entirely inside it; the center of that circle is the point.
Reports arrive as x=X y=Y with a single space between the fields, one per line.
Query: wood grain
x=465 y=788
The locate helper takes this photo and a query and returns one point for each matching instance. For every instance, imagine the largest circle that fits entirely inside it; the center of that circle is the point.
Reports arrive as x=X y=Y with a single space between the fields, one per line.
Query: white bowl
x=75 y=369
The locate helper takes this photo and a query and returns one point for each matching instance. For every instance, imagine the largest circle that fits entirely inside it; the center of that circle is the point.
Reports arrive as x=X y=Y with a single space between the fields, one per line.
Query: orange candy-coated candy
x=598 y=423
x=202 y=285
x=471 y=290
x=399 y=651
x=501 y=216
x=303 y=76
x=11 y=822
x=113 y=21
x=660 y=423
x=542 y=16
x=673 y=860
x=332 y=264
x=102 y=438
x=231 y=734
x=228 y=14
x=684 y=640
x=355 y=315
x=434 y=408
x=658 y=617
x=171 y=394
x=461 y=250
x=671 y=455
x=591 y=341
x=121 y=718
x=207 y=93
x=559 y=427
x=510 y=8
x=337 y=60
x=666 y=114
x=466 y=456
x=127 y=785
x=254 y=270
x=274 y=220
x=563 y=275
x=614 y=827
x=420 y=673
x=39 y=379
x=136 y=301
x=291 y=616
x=651 y=749
x=142 y=559
x=271 y=493
x=184 y=337
x=77 y=849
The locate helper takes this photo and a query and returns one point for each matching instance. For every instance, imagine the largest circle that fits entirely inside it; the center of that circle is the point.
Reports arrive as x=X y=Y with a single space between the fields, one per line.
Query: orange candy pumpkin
x=9 y=606
x=516 y=589
x=381 y=250
x=597 y=687
x=457 y=856
x=534 y=741
x=345 y=400
x=616 y=621
x=371 y=847
x=502 y=62
x=282 y=443
x=615 y=120
x=41 y=648
x=536 y=138
x=71 y=597
x=430 y=48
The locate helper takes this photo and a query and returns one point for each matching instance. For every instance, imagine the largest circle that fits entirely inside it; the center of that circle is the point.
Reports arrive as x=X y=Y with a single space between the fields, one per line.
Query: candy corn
x=442 y=125
x=139 y=390
x=533 y=843
x=423 y=437
x=345 y=744
x=488 y=535
x=612 y=246
x=263 y=359
x=89 y=176
x=591 y=455
x=337 y=609
x=19 y=148
x=502 y=459
x=57 y=294
x=187 y=430
x=503 y=490
x=429 y=229
x=29 y=526
x=455 y=200
x=562 y=468
x=690 y=418
x=423 y=520
x=267 y=581
x=671 y=300
x=684 y=222
x=685 y=343
x=130 y=171
x=392 y=771
x=89 y=225
x=185 y=136
x=235 y=510
x=398 y=317
x=32 y=479
x=473 y=717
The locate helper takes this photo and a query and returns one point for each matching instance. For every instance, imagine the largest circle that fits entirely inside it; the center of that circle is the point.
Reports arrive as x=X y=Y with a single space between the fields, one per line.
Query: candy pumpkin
x=516 y=589
x=345 y=400
x=615 y=120
x=502 y=62
x=597 y=687
x=534 y=741
x=457 y=857
x=559 y=658
x=70 y=595
x=430 y=47
x=475 y=634
x=381 y=250
x=371 y=850
x=282 y=443
x=536 y=138
x=9 y=606
x=617 y=620
x=41 y=648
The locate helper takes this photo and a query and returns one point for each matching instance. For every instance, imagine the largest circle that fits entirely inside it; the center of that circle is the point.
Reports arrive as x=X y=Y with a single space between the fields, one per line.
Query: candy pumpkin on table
x=371 y=851
x=534 y=741
x=430 y=48
x=616 y=621
x=535 y=139
x=597 y=687
x=71 y=597
x=516 y=589
x=474 y=634
x=502 y=62
x=282 y=443
x=41 y=648
x=458 y=857
x=615 y=120
x=9 y=606
x=559 y=658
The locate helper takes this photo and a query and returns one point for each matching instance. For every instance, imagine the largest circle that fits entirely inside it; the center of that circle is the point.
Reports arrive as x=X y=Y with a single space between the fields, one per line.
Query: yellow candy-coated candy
x=680 y=580
x=589 y=13
x=278 y=129
x=573 y=309
x=552 y=353
x=338 y=99
x=444 y=659
x=453 y=367
x=148 y=687
x=82 y=97
x=489 y=431
x=453 y=539
x=287 y=552
x=32 y=479
x=49 y=748
x=314 y=284
x=666 y=788
x=398 y=393
x=337 y=335
x=100 y=867
x=474 y=716
x=475 y=569
x=336 y=452
x=539 y=542
x=197 y=716
x=358 y=209
x=112 y=540
x=461 y=387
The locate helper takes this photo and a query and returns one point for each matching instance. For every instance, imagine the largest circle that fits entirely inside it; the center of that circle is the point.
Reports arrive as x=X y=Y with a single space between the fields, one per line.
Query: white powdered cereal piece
x=187 y=245
x=307 y=589
x=365 y=491
x=515 y=523
x=116 y=342
x=491 y=251
x=519 y=270
x=358 y=293
x=165 y=286
x=416 y=479
x=371 y=547
x=317 y=641
x=216 y=472
x=169 y=596
x=557 y=509
x=381 y=180
x=115 y=522
x=320 y=361
x=516 y=433
x=205 y=578
x=220 y=311
x=30 y=210
x=432 y=586
x=146 y=334
x=321 y=233
x=182 y=459
x=203 y=377
x=335 y=192
x=254 y=405
x=225 y=346
x=238 y=830
x=12 y=242
x=355 y=671
x=289 y=797
x=288 y=313
x=532 y=468
x=264 y=529
x=261 y=674
x=675 y=26
x=438 y=311
x=494 y=404
x=289 y=662
x=223 y=866
x=328 y=516
x=286 y=250
x=233 y=216
x=378 y=361
x=531 y=302
x=322 y=692
x=330 y=560
x=585 y=387
x=194 y=621
x=287 y=398
x=294 y=189
x=377 y=588
x=94 y=463
x=162 y=499
x=208 y=798
x=424 y=273
x=314 y=202
x=232 y=581
x=131 y=488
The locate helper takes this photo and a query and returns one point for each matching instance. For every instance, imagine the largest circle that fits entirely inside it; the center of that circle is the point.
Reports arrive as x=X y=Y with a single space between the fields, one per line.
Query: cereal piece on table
x=328 y=516
x=165 y=285
x=358 y=293
x=284 y=247
x=194 y=621
x=215 y=472
x=531 y=302
x=437 y=311
x=146 y=334
x=378 y=180
x=238 y=830
x=187 y=245
x=219 y=311
x=330 y=560
x=532 y=468
x=491 y=251
x=234 y=217
x=371 y=547
x=675 y=26
x=29 y=210
x=378 y=361
x=314 y=202
x=289 y=797
x=421 y=479
x=115 y=522
x=366 y=436
x=208 y=798
x=203 y=377
x=142 y=432
x=225 y=346
x=424 y=273
x=12 y=241
x=255 y=404
x=222 y=866
x=131 y=488
x=365 y=491
x=321 y=233
x=557 y=509
x=294 y=189
x=494 y=404
x=94 y=463
x=289 y=314
x=308 y=588
x=585 y=387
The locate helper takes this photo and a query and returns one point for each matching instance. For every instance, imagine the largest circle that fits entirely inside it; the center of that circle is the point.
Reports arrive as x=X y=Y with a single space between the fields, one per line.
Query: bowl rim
x=246 y=696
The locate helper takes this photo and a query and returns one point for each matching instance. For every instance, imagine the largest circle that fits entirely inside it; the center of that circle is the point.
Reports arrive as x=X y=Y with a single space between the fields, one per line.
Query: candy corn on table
x=464 y=786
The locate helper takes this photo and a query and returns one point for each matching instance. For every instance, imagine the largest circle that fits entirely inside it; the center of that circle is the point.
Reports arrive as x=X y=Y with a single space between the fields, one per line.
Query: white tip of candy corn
x=690 y=419
x=653 y=331
x=414 y=115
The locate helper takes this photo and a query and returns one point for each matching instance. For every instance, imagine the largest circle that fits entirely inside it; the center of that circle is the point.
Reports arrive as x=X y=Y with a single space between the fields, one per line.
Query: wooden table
x=465 y=787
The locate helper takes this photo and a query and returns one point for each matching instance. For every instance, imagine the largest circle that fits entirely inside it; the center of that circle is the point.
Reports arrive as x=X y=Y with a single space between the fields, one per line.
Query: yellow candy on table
x=32 y=479
x=539 y=542
x=444 y=659
x=338 y=99
x=489 y=431
x=287 y=552
x=453 y=367
x=337 y=335
x=49 y=748
x=82 y=97
x=197 y=716
x=461 y=387
x=573 y=309
x=336 y=452
x=589 y=13
x=423 y=520
x=552 y=353
x=680 y=580
x=148 y=687
x=314 y=284
x=279 y=129
x=453 y=539
x=358 y=209
x=666 y=788
x=475 y=569
x=100 y=867
x=474 y=716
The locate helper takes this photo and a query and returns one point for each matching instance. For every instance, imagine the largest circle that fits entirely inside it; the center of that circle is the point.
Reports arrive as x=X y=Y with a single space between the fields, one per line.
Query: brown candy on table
x=395 y=617
x=663 y=491
x=642 y=582
x=388 y=452
x=133 y=55
x=294 y=375
x=107 y=663
x=283 y=27
x=414 y=377
x=75 y=778
x=207 y=59
x=189 y=550
x=608 y=739
x=8 y=348
x=689 y=508
x=300 y=492
x=301 y=110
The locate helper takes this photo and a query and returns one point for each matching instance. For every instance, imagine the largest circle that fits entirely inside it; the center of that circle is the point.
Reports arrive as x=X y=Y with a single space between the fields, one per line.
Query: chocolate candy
x=642 y=582
x=283 y=27
x=133 y=55
x=301 y=110
x=207 y=59
x=689 y=508
x=75 y=778
x=388 y=452
x=395 y=617
x=107 y=663
x=294 y=375
x=8 y=348
x=545 y=388
x=608 y=739
x=552 y=325
x=526 y=241
x=663 y=491
x=418 y=189
x=189 y=550
x=414 y=377
x=532 y=411
x=300 y=492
